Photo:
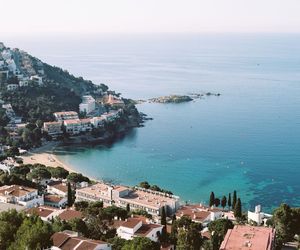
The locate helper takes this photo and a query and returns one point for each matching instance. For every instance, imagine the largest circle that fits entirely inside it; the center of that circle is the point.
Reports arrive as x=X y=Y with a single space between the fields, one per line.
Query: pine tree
x=128 y=208
x=238 y=209
x=70 y=196
x=212 y=199
x=224 y=201
x=217 y=202
x=234 y=199
x=229 y=200
x=163 y=221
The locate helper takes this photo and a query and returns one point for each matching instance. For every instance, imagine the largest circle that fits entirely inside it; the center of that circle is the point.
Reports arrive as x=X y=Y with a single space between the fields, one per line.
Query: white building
x=37 y=79
x=24 y=196
x=98 y=121
x=12 y=87
x=257 y=216
x=200 y=213
x=66 y=115
x=57 y=187
x=136 y=228
x=87 y=105
x=53 y=128
x=148 y=200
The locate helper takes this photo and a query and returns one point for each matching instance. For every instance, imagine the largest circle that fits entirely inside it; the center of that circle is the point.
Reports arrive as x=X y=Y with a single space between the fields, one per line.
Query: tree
x=21 y=171
x=76 y=178
x=218 y=229
x=212 y=199
x=12 y=151
x=234 y=199
x=144 y=184
x=283 y=222
x=128 y=208
x=39 y=173
x=78 y=225
x=59 y=173
x=70 y=195
x=217 y=202
x=32 y=234
x=229 y=200
x=140 y=243
x=224 y=201
x=238 y=209
x=163 y=222
x=81 y=205
x=117 y=243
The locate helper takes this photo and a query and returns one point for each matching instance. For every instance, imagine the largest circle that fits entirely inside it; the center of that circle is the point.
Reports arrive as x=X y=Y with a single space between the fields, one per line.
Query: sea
x=247 y=139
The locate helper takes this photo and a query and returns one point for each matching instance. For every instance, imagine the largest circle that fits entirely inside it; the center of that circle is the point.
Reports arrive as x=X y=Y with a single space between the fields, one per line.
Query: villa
x=21 y=195
x=133 y=227
x=200 y=213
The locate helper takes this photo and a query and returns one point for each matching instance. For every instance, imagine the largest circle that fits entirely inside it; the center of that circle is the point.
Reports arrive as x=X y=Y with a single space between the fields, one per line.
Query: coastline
x=45 y=155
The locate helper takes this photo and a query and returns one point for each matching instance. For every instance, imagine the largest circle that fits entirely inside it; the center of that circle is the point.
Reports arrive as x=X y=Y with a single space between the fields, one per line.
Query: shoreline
x=45 y=155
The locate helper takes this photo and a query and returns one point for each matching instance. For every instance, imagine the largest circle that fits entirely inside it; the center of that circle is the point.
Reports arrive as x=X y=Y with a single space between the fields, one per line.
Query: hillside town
x=70 y=211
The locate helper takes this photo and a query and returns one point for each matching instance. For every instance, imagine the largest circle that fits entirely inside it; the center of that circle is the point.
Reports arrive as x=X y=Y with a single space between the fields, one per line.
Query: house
x=138 y=198
x=12 y=87
x=200 y=213
x=86 y=125
x=113 y=100
x=257 y=216
x=54 y=200
x=68 y=240
x=87 y=105
x=69 y=214
x=21 y=195
x=44 y=212
x=112 y=115
x=67 y=115
x=77 y=126
x=136 y=228
x=37 y=79
x=53 y=128
x=58 y=188
x=249 y=237
x=98 y=121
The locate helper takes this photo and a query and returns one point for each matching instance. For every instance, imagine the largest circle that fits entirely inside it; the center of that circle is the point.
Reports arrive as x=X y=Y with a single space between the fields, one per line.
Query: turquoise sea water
x=247 y=139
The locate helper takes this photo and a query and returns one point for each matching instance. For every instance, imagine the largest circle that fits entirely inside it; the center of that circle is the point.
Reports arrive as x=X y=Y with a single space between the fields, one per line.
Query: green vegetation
x=218 y=229
x=20 y=232
x=286 y=220
x=185 y=234
x=146 y=185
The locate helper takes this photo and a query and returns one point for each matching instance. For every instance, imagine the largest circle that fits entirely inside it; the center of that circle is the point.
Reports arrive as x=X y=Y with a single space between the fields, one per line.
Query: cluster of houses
x=69 y=120
x=54 y=200
x=17 y=63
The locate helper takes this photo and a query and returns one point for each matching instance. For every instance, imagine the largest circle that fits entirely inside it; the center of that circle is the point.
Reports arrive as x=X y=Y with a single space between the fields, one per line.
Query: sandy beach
x=44 y=155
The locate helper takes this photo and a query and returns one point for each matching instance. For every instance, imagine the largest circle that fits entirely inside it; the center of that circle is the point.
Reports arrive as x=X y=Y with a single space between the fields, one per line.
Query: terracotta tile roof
x=248 y=237
x=59 y=185
x=70 y=244
x=59 y=238
x=52 y=198
x=16 y=190
x=70 y=214
x=40 y=211
x=131 y=223
x=145 y=229
x=66 y=241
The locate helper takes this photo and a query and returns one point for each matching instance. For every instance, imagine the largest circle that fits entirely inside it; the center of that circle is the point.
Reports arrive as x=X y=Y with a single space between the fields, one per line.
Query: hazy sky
x=96 y=16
